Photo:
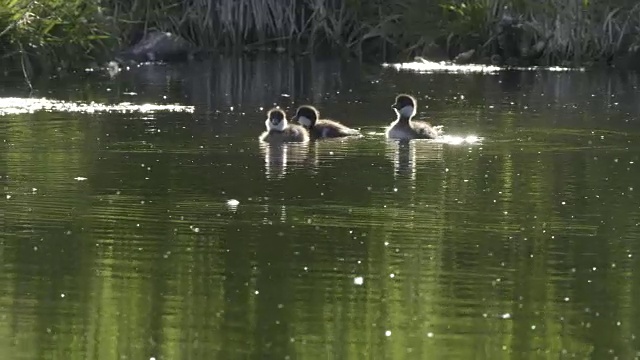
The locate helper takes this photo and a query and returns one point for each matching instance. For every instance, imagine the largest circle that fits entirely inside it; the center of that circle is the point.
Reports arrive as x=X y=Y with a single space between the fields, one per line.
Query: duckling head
x=307 y=115
x=405 y=105
x=276 y=120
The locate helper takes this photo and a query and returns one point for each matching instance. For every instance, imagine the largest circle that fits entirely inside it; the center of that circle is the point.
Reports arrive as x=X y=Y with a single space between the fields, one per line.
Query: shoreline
x=490 y=33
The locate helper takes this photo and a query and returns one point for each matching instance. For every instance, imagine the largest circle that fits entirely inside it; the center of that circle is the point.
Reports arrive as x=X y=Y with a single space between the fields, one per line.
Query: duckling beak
x=395 y=106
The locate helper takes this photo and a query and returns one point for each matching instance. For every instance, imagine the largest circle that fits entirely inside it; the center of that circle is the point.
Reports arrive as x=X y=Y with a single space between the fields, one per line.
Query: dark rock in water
x=434 y=52
x=158 y=46
x=518 y=42
x=496 y=60
x=464 y=57
x=512 y=61
x=537 y=49
x=509 y=32
x=566 y=63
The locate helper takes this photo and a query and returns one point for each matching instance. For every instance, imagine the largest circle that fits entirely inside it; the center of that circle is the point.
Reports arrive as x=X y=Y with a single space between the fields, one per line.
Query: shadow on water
x=119 y=239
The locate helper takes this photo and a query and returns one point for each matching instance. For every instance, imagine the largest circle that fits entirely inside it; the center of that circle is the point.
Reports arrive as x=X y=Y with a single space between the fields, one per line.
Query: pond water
x=119 y=240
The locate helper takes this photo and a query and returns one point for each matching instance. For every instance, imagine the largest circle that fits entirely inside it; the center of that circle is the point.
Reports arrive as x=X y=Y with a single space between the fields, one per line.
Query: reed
x=62 y=34
x=249 y=24
x=556 y=31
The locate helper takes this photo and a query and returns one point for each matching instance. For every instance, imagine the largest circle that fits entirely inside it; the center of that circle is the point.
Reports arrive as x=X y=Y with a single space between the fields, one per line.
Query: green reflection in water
x=521 y=246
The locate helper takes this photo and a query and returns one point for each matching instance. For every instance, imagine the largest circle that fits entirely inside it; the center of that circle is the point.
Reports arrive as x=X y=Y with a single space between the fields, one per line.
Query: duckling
x=279 y=130
x=308 y=116
x=404 y=127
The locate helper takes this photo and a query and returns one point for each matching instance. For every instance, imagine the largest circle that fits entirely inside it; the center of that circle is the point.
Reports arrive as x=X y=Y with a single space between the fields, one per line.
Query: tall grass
x=555 y=30
x=247 y=24
x=575 y=31
x=62 y=34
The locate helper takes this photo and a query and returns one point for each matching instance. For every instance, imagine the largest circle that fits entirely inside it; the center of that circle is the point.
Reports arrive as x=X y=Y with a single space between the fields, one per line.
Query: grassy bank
x=62 y=34
x=43 y=35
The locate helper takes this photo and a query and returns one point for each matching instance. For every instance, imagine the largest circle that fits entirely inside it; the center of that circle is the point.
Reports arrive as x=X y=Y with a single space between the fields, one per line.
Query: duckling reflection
x=273 y=212
x=406 y=154
x=278 y=157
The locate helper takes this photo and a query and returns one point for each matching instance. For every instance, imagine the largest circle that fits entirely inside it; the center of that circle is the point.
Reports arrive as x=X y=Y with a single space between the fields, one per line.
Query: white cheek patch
x=406 y=111
x=304 y=121
x=281 y=125
x=276 y=127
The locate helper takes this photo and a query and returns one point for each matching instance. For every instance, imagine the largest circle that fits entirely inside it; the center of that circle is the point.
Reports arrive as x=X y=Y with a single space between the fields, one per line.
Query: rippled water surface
x=119 y=240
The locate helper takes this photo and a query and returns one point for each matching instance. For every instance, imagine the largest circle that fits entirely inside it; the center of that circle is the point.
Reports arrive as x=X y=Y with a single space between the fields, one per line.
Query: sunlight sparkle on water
x=426 y=66
x=443 y=66
x=457 y=140
x=25 y=105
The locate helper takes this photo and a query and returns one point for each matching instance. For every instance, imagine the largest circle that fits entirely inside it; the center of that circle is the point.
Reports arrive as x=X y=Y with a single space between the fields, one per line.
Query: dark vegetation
x=62 y=34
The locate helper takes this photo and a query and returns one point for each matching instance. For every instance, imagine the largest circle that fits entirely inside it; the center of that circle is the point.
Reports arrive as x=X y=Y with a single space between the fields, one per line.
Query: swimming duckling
x=404 y=127
x=308 y=116
x=279 y=130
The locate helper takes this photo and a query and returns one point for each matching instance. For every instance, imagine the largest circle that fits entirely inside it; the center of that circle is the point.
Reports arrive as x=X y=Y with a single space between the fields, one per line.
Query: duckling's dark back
x=331 y=129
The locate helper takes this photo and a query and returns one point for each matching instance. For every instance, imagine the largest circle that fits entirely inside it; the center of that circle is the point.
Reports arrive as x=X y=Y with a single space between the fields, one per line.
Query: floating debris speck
x=80 y=178
x=233 y=202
